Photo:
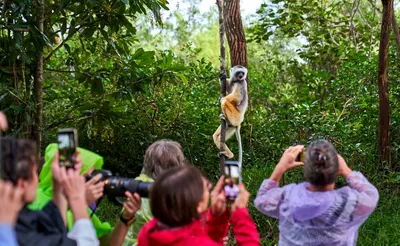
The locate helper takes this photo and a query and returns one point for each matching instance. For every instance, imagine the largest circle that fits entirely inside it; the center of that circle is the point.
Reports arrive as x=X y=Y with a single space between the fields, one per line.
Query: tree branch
x=66 y=119
x=60 y=71
x=374 y=6
x=362 y=16
x=344 y=107
x=76 y=29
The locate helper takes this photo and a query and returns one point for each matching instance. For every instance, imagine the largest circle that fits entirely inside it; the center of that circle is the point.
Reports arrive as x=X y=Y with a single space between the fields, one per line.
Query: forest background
x=126 y=73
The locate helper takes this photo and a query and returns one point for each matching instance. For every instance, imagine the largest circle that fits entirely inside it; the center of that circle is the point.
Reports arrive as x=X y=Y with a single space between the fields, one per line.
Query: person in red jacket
x=179 y=200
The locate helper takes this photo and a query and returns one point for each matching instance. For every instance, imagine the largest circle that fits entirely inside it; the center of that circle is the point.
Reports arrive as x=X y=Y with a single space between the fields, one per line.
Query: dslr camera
x=115 y=186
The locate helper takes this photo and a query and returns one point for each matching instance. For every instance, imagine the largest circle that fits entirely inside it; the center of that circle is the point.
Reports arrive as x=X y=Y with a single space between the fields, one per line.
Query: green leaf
x=66 y=46
x=182 y=77
x=97 y=86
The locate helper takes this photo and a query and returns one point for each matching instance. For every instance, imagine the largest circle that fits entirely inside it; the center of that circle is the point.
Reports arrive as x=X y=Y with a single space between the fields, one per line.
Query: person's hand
x=72 y=183
x=94 y=189
x=242 y=199
x=344 y=169
x=56 y=169
x=218 y=198
x=11 y=204
x=131 y=206
x=288 y=159
x=3 y=121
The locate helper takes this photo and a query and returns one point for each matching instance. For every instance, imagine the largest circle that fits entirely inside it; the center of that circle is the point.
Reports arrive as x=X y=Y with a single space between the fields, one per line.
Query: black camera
x=117 y=186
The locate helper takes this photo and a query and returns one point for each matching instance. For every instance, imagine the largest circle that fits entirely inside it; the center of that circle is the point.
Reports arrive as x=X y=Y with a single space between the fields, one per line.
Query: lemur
x=233 y=106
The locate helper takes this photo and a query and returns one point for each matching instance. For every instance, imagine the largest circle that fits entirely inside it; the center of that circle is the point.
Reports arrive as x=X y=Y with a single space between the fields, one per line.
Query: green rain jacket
x=45 y=190
x=142 y=216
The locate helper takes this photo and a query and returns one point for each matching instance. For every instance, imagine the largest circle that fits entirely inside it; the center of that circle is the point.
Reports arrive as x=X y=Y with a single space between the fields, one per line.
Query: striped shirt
x=318 y=218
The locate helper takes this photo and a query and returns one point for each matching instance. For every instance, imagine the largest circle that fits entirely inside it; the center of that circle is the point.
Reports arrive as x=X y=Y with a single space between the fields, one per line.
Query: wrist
x=8 y=219
x=79 y=208
x=126 y=220
x=347 y=172
x=127 y=216
x=278 y=172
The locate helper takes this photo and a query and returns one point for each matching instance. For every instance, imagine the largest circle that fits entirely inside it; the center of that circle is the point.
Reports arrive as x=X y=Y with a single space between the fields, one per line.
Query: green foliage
x=123 y=83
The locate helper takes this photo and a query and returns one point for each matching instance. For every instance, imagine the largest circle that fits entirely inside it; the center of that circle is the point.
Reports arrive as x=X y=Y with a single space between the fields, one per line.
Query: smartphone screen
x=232 y=175
x=66 y=148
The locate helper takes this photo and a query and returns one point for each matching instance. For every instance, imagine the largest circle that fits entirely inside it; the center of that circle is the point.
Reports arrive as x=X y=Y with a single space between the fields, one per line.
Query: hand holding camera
x=288 y=159
x=344 y=169
x=131 y=206
x=94 y=189
x=242 y=199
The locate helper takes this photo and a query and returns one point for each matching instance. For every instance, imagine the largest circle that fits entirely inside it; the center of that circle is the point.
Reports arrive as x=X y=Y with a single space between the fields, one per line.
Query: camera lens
x=115 y=186
x=142 y=188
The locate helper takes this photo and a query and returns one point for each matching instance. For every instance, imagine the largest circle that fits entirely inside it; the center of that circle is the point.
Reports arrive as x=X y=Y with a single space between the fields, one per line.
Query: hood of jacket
x=45 y=188
x=155 y=234
x=305 y=204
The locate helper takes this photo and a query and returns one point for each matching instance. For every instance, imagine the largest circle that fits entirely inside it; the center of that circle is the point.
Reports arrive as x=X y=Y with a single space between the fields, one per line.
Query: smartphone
x=302 y=156
x=232 y=179
x=67 y=144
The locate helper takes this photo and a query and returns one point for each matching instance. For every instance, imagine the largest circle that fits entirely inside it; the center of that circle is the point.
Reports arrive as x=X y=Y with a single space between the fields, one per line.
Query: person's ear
x=22 y=184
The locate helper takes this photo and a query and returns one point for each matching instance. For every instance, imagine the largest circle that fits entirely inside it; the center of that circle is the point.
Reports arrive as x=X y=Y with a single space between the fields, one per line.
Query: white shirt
x=84 y=233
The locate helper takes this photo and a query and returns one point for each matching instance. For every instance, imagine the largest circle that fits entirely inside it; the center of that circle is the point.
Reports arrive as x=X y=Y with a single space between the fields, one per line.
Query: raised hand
x=131 y=206
x=242 y=199
x=218 y=198
x=3 y=121
x=94 y=189
x=11 y=204
x=288 y=159
x=344 y=169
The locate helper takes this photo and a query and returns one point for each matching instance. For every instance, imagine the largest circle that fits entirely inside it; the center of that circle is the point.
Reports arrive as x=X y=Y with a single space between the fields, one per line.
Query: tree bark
x=235 y=33
x=396 y=37
x=222 y=77
x=383 y=135
x=38 y=80
x=236 y=38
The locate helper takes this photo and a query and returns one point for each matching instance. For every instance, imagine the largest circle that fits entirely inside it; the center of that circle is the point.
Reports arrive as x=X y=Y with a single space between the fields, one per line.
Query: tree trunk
x=236 y=38
x=235 y=33
x=384 y=141
x=222 y=77
x=38 y=79
x=396 y=37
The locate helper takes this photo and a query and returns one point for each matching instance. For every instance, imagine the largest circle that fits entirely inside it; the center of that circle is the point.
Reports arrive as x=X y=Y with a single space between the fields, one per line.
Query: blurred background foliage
x=126 y=73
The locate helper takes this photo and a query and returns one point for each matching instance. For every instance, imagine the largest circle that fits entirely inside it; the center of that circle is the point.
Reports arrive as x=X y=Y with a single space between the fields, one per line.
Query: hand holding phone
x=231 y=182
x=67 y=144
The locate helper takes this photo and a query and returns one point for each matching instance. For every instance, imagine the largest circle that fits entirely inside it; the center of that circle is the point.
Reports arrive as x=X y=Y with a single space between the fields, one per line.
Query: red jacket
x=216 y=227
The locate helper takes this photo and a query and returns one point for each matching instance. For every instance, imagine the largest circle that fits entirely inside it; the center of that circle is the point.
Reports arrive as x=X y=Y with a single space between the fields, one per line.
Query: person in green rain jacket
x=90 y=161
x=159 y=157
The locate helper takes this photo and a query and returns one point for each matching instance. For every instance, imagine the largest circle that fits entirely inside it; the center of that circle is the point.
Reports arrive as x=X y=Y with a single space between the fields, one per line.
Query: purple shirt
x=318 y=218
x=7 y=235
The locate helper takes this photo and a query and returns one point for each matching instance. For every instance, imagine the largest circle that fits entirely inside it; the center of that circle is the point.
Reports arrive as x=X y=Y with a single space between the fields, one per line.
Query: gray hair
x=161 y=156
x=321 y=164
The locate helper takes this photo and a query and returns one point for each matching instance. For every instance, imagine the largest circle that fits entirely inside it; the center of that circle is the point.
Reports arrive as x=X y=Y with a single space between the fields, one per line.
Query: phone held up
x=302 y=156
x=232 y=179
x=67 y=144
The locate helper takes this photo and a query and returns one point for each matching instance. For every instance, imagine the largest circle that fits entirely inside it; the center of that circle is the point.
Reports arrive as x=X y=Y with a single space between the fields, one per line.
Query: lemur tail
x=239 y=139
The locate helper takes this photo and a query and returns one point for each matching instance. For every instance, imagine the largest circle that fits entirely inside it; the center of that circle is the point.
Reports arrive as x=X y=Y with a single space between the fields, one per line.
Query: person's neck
x=321 y=188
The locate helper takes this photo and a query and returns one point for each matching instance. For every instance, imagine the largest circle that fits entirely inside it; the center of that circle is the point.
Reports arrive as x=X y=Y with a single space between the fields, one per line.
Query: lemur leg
x=228 y=134
x=230 y=111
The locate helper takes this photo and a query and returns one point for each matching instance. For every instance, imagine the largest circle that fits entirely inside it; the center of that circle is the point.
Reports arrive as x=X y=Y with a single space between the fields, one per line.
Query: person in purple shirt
x=313 y=212
x=11 y=204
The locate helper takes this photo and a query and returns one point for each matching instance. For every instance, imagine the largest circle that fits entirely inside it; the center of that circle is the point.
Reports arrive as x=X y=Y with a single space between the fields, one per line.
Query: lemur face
x=238 y=73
